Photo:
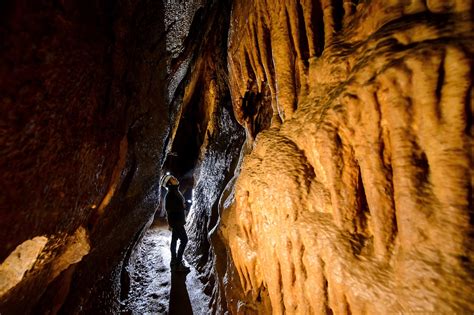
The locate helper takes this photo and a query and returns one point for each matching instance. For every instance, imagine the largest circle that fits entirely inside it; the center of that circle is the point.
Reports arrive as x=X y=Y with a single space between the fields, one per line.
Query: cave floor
x=154 y=289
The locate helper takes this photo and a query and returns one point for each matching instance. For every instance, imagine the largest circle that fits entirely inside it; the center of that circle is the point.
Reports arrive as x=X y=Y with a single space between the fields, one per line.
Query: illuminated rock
x=360 y=201
x=20 y=261
x=352 y=192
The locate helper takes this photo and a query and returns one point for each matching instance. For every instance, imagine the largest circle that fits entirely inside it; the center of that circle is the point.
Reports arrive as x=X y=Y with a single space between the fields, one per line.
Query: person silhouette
x=175 y=212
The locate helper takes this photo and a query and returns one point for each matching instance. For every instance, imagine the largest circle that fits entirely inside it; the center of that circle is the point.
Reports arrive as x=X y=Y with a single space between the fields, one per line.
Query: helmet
x=166 y=179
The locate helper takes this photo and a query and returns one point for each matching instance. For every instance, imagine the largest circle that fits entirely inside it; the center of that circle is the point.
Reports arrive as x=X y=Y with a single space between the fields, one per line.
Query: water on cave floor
x=153 y=288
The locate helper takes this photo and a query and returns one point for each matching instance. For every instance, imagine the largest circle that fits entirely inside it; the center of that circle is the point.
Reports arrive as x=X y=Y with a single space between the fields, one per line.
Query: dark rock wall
x=83 y=125
x=215 y=170
x=207 y=140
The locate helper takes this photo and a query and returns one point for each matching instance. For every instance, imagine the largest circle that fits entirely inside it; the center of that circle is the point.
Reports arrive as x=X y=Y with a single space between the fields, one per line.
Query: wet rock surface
x=82 y=132
x=154 y=289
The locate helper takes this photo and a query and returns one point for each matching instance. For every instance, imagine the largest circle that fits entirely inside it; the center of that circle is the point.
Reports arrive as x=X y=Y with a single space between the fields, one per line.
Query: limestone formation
x=357 y=197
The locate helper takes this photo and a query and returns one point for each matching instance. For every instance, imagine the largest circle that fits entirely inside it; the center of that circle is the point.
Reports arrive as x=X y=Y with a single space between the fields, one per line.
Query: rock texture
x=154 y=289
x=352 y=193
x=357 y=195
x=207 y=139
x=83 y=123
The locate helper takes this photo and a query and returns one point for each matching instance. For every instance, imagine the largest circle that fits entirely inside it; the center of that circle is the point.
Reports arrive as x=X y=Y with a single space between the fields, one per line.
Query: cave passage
x=154 y=289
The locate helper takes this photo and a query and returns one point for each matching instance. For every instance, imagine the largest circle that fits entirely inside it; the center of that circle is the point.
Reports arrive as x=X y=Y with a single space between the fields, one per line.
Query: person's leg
x=174 y=239
x=183 y=240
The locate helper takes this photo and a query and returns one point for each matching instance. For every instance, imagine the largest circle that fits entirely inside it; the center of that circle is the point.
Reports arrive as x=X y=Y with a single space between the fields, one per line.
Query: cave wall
x=351 y=194
x=204 y=150
x=356 y=196
x=83 y=127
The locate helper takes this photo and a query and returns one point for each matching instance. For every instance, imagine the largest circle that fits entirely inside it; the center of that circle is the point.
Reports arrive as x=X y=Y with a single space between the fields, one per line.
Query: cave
x=324 y=149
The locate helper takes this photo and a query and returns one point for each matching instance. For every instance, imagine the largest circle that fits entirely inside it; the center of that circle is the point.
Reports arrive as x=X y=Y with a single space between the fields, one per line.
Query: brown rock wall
x=82 y=126
x=361 y=200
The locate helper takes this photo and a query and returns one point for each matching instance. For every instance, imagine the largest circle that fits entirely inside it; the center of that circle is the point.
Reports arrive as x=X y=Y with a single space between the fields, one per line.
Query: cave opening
x=185 y=149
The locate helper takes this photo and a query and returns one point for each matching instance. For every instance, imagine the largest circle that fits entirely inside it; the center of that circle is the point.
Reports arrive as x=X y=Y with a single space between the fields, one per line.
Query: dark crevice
x=361 y=240
x=337 y=14
x=303 y=36
x=280 y=284
x=268 y=46
x=317 y=19
x=352 y=8
x=439 y=86
x=292 y=60
x=248 y=104
x=187 y=142
x=348 y=306
x=338 y=142
x=257 y=110
x=363 y=205
x=423 y=168
x=469 y=107
x=394 y=233
x=250 y=69
x=325 y=289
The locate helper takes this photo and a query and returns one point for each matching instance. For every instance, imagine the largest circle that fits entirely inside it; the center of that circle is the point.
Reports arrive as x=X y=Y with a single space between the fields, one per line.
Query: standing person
x=175 y=207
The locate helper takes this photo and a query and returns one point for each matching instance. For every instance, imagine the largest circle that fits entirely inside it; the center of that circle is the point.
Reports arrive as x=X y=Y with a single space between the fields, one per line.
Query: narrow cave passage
x=204 y=144
x=154 y=289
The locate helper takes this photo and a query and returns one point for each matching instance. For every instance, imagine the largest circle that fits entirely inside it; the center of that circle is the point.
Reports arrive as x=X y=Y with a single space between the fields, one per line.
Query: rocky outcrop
x=357 y=195
x=83 y=124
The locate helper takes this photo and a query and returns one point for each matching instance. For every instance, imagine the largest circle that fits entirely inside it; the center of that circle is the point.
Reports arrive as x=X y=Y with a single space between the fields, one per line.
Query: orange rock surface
x=356 y=197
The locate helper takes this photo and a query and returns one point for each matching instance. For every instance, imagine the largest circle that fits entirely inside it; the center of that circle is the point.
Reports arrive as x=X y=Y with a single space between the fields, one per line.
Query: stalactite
x=368 y=172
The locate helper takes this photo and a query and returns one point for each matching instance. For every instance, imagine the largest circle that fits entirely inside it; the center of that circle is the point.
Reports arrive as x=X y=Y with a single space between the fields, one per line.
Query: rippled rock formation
x=357 y=195
x=326 y=145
